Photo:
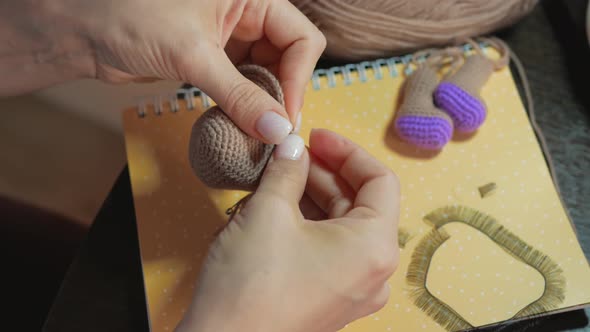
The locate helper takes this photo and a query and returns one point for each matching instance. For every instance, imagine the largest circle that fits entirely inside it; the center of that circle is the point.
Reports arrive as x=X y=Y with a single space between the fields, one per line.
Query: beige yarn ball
x=365 y=29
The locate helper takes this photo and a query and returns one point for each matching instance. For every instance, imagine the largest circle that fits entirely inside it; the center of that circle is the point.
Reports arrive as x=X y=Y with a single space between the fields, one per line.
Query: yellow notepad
x=477 y=273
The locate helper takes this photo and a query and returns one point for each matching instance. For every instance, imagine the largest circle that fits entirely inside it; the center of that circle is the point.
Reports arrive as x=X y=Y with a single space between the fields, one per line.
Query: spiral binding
x=379 y=68
x=160 y=102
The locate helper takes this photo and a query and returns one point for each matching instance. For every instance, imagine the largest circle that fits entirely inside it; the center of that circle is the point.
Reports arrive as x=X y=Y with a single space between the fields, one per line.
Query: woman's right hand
x=194 y=41
x=273 y=269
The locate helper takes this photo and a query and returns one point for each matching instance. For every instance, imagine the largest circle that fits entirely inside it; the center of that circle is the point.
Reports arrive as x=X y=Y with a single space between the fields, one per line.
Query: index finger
x=376 y=186
x=301 y=43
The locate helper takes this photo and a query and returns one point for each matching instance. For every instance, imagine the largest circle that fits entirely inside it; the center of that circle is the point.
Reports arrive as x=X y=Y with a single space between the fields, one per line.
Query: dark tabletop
x=103 y=289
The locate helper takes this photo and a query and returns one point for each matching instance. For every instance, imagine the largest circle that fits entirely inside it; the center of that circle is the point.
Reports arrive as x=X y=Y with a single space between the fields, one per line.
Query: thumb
x=251 y=108
x=285 y=175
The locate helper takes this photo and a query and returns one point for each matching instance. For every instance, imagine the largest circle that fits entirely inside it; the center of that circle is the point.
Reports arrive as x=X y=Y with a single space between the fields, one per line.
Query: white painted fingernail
x=273 y=127
x=297 y=124
x=291 y=148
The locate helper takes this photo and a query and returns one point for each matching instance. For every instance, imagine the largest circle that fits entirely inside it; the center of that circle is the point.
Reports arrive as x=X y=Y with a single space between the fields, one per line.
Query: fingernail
x=273 y=127
x=291 y=148
x=297 y=124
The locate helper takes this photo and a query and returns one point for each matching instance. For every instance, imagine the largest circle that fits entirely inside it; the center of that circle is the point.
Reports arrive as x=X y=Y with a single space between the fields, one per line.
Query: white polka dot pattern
x=178 y=217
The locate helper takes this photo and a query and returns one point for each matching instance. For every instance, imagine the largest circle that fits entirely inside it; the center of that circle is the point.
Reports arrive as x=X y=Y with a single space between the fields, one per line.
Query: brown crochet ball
x=221 y=155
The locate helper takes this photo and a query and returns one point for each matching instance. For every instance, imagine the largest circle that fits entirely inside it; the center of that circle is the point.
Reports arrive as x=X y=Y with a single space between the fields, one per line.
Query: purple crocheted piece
x=467 y=112
x=428 y=132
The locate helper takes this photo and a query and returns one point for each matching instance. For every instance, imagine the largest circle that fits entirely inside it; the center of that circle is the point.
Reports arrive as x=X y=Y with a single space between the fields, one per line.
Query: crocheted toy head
x=221 y=155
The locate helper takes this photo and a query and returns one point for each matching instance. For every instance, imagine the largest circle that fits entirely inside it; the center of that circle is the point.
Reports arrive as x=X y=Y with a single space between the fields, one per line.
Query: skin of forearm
x=38 y=48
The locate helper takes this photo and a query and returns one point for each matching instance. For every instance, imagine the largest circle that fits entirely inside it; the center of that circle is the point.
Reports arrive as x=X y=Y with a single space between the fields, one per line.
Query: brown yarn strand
x=537 y=129
x=453 y=57
x=361 y=29
x=497 y=44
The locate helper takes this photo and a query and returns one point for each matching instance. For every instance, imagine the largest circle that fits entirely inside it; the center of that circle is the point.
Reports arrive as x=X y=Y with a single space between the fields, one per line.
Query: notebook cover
x=472 y=273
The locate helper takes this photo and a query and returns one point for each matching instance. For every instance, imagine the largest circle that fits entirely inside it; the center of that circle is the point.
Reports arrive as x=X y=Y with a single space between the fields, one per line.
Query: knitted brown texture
x=418 y=90
x=473 y=74
x=221 y=155
x=362 y=29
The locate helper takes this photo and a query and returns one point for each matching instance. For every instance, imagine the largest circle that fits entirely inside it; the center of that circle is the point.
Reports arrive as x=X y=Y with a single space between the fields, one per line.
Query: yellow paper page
x=471 y=273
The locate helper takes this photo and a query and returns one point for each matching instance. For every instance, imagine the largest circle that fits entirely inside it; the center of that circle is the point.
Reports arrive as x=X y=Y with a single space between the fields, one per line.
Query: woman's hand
x=272 y=269
x=194 y=41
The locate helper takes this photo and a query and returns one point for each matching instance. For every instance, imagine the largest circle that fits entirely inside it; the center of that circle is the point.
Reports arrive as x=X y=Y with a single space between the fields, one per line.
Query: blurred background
x=62 y=148
x=61 y=151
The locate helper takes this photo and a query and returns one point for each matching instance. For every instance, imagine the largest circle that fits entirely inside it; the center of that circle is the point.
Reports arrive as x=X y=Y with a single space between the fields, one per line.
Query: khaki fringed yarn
x=221 y=155
x=363 y=29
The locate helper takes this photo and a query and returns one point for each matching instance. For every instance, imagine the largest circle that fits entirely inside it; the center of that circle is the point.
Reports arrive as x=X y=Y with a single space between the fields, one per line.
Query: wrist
x=212 y=320
x=65 y=24
x=216 y=315
x=39 y=47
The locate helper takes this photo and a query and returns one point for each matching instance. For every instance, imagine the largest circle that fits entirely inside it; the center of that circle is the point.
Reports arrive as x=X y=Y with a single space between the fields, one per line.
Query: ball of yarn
x=363 y=29
x=221 y=155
